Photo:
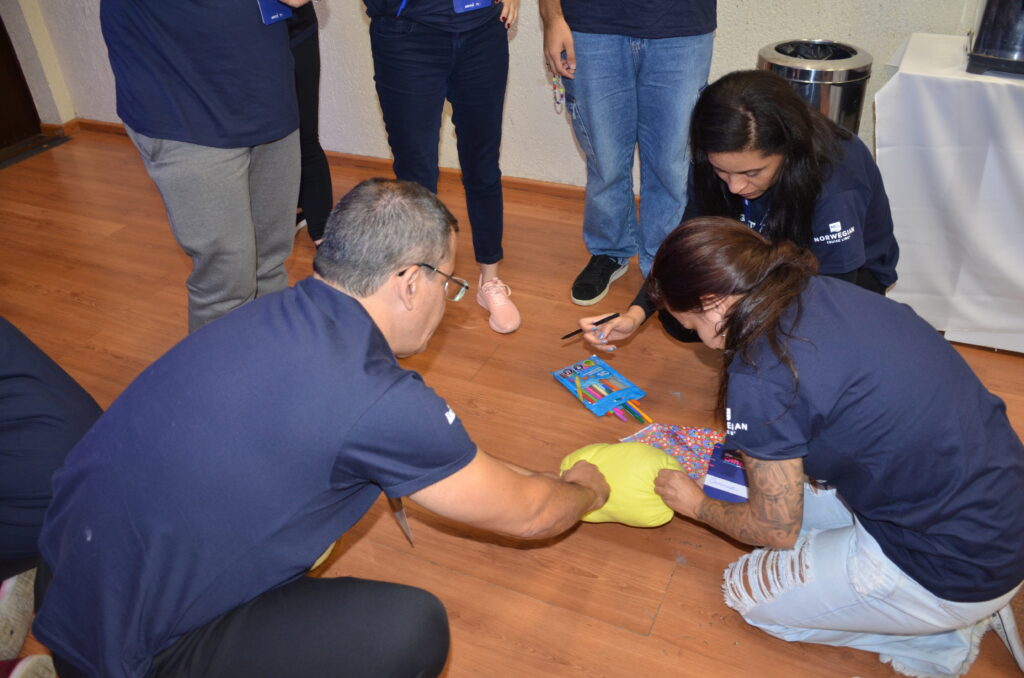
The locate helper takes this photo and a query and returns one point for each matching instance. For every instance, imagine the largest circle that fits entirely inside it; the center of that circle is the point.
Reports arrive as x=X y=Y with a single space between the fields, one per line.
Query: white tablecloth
x=950 y=146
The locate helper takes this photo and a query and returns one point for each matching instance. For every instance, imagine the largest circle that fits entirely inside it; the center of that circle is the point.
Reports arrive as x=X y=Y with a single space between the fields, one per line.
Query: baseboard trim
x=65 y=130
x=381 y=166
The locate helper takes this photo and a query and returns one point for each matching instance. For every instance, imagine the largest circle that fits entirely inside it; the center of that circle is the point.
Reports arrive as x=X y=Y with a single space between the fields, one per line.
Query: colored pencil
x=647 y=419
x=596 y=391
x=632 y=412
x=617 y=410
x=639 y=414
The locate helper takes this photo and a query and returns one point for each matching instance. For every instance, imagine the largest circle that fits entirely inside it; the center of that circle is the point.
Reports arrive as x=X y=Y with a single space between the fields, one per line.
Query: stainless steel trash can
x=831 y=76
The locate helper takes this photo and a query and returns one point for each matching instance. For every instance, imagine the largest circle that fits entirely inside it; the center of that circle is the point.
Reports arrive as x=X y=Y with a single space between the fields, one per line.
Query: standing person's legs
x=672 y=73
x=411 y=64
x=315 y=194
x=836 y=587
x=206 y=194
x=340 y=627
x=273 y=188
x=602 y=100
x=476 y=89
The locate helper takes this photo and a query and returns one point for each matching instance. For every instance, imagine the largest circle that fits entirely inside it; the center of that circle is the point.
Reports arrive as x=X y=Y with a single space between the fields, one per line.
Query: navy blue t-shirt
x=852 y=225
x=889 y=414
x=43 y=413
x=226 y=468
x=207 y=73
x=439 y=14
x=641 y=18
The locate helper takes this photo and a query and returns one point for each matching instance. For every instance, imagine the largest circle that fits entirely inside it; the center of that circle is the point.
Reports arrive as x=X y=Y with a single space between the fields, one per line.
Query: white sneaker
x=1005 y=625
x=34 y=666
x=16 y=597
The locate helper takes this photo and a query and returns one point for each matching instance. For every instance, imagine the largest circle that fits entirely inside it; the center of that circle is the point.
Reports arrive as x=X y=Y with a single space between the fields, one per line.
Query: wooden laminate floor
x=90 y=271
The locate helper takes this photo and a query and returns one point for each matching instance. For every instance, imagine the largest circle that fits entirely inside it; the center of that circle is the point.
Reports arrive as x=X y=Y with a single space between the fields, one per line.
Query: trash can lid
x=824 y=61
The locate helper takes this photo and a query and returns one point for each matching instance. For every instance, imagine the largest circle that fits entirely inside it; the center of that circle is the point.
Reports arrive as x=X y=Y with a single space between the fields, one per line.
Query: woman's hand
x=510 y=12
x=681 y=493
x=603 y=336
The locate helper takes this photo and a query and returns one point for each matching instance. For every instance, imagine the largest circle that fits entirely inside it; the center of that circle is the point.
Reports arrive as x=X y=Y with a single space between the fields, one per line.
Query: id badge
x=463 y=6
x=272 y=11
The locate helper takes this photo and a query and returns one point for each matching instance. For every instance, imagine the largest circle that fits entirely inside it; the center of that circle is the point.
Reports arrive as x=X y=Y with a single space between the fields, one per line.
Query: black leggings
x=339 y=627
x=315 y=196
x=9 y=568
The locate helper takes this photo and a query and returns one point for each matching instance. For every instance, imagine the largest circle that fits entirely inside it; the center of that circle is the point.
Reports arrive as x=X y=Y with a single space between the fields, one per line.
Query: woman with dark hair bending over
x=909 y=539
x=762 y=155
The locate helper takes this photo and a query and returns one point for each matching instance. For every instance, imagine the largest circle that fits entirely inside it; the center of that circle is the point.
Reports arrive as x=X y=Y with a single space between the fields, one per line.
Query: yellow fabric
x=629 y=469
x=323 y=557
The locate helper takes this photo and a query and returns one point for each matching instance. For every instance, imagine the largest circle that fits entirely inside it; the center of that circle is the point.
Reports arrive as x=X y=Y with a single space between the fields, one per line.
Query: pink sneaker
x=494 y=296
x=33 y=666
x=16 y=599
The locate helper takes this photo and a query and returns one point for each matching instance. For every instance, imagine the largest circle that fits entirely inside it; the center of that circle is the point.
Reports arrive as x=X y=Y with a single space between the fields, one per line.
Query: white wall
x=27 y=29
x=75 y=29
x=537 y=143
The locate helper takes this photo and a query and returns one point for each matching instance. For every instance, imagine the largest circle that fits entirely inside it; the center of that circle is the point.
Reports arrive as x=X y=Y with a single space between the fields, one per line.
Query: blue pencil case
x=603 y=389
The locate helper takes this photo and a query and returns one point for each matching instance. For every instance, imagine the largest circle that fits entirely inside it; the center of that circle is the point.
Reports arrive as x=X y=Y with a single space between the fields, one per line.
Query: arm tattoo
x=774 y=512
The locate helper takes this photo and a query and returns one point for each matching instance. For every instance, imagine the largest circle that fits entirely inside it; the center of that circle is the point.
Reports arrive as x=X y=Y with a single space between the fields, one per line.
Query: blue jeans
x=837 y=587
x=631 y=91
x=415 y=69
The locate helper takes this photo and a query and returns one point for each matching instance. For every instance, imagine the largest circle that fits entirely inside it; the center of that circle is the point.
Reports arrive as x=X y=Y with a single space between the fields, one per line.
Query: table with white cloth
x=950 y=146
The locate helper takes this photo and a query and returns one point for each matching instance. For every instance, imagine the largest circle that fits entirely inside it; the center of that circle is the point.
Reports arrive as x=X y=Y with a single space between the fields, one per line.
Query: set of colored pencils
x=594 y=392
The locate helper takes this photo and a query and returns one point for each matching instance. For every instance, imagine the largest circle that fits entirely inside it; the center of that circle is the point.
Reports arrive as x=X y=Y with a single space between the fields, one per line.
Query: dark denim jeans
x=416 y=68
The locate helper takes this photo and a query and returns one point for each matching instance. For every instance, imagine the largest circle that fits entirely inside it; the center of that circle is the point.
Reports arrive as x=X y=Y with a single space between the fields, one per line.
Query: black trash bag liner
x=815 y=51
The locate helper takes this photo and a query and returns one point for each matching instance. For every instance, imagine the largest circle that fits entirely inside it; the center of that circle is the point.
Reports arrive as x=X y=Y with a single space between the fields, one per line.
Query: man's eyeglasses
x=454 y=287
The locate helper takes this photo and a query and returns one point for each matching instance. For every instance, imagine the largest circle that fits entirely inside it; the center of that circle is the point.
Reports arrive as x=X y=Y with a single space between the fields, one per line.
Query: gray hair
x=379 y=227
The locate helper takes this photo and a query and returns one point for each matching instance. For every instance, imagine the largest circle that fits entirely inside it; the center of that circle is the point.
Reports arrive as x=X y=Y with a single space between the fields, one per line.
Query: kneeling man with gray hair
x=183 y=523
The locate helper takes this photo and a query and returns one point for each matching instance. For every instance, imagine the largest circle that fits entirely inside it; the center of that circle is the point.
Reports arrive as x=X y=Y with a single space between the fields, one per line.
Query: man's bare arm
x=557 y=39
x=494 y=496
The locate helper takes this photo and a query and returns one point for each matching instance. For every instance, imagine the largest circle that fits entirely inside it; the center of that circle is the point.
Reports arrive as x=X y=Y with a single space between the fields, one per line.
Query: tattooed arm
x=772 y=515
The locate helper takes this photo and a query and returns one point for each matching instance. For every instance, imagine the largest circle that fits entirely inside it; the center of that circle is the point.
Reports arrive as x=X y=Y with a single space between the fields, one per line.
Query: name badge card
x=272 y=11
x=463 y=6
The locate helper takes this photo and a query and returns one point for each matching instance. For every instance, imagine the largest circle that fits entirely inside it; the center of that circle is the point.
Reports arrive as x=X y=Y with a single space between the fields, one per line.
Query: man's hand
x=586 y=474
x=500 y=497
x=557 y=40
x=295 y=3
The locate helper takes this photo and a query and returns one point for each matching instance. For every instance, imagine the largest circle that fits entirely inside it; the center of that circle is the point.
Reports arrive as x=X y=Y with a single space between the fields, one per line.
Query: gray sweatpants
x=233 y=212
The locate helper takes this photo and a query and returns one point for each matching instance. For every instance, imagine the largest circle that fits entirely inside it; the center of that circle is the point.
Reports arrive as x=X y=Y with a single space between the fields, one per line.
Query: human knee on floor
x=419 y=634
x=764 y=574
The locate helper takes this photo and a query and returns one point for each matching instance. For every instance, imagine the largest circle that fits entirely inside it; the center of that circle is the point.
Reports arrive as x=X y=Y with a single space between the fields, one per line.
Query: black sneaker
x=592 y=283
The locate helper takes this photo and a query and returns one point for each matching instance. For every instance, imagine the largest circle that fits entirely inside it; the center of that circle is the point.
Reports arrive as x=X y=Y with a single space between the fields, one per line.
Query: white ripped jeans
x=836 y=587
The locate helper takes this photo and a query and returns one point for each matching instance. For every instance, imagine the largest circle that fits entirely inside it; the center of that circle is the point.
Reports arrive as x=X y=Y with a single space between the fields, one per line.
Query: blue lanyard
x=401 y=7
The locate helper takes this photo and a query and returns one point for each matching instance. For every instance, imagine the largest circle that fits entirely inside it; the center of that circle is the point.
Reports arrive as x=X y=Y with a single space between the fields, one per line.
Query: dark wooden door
x=18 y=117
